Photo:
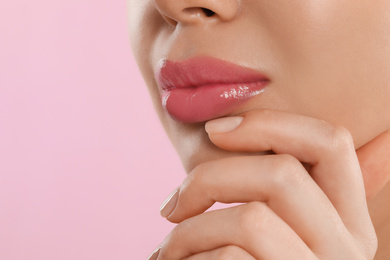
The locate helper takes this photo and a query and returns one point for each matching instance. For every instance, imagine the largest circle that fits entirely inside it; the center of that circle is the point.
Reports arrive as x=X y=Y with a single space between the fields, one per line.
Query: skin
x=329 y=64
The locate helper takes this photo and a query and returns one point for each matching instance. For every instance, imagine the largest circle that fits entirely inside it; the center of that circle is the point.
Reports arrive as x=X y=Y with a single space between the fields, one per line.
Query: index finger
x=329 y=150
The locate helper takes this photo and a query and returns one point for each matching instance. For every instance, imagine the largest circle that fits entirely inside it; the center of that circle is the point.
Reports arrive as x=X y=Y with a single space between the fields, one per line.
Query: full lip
x=203 y=88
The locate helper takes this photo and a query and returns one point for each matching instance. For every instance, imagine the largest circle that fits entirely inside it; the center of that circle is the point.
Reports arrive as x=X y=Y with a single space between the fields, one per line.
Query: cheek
x=339 y=67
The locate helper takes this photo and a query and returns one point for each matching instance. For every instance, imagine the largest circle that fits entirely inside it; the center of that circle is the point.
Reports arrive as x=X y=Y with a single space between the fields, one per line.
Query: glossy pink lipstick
x=203 y=88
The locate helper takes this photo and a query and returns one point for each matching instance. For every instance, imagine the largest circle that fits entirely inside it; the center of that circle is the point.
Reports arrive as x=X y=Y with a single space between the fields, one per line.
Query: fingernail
x=223 y=125
x=169 y=204
x=154 y=255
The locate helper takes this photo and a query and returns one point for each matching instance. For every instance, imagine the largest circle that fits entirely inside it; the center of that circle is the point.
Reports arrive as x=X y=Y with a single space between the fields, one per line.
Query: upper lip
x=203 y=71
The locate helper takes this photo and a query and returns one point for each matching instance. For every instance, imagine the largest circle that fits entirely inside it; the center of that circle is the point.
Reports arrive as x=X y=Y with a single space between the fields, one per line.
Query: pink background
x=84 y=162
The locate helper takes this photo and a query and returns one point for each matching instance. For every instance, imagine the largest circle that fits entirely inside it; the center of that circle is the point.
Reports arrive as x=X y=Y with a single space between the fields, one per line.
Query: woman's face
x=328 y=59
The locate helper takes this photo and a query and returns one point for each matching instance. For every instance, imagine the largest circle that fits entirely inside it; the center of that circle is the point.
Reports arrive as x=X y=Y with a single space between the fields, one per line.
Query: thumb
x=374 y=159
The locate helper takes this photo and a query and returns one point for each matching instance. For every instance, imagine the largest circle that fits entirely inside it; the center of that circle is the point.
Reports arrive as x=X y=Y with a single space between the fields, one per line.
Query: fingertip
x=223 y=125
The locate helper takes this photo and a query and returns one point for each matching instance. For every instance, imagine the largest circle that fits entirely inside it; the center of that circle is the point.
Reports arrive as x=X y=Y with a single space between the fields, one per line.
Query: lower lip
x=199 y=104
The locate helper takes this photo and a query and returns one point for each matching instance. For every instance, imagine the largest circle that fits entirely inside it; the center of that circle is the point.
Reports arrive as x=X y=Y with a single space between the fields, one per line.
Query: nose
x=197 y=11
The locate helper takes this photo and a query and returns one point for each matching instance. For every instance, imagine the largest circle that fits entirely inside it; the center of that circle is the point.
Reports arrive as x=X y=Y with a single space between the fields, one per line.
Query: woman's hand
x=307 y=201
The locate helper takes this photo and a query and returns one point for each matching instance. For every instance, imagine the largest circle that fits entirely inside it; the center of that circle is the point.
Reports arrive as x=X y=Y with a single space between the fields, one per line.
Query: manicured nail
x=154 y=255
x=169 y=204
x=223 y=125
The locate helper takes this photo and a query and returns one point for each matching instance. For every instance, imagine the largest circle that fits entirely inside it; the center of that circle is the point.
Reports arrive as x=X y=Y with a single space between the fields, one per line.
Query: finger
x=281 y=181
x=328 y=149
x=223 y=253
x=375 y=164
x=253 y=227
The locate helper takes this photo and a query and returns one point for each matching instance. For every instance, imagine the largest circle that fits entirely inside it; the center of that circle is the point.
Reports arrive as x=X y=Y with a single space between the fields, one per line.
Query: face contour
x=325 y=59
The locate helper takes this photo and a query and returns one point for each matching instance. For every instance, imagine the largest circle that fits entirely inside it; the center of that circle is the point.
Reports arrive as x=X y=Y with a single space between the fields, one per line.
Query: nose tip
x=196 y=11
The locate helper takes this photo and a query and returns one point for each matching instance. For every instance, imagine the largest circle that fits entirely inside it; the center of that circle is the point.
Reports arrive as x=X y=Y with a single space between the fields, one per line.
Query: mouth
x=203 y=88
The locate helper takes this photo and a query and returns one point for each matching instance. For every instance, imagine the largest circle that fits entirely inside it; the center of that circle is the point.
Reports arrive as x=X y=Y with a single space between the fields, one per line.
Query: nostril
x=200 y=10
x=208 y=12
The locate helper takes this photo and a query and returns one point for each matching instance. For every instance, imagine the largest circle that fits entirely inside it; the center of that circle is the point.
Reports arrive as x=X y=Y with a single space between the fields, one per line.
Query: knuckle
x=288 y=172
x=372 y=247
x=340 y=139
x=173 y=236
x=253 y=218
x=172 y=244
x=203 y=179
x=370 y=243
x=198 y=179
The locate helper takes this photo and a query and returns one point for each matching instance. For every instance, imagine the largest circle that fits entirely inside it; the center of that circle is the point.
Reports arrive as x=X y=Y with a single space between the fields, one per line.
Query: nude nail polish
x=223 y=125
x=169 y=204
x=154 y=255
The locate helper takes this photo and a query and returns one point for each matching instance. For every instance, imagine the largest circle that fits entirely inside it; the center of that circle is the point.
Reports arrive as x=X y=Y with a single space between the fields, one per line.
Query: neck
x=380 y=215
